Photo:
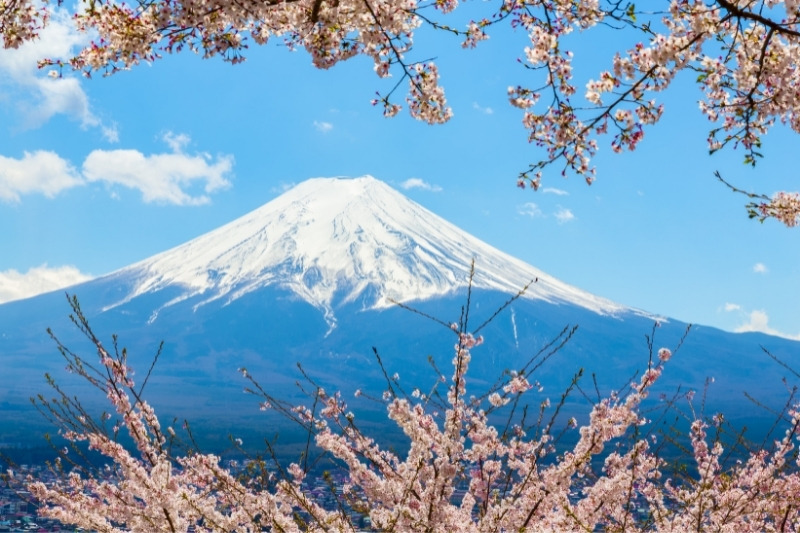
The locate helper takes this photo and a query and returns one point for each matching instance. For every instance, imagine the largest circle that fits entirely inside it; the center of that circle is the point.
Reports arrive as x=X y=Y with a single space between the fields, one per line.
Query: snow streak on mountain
x=334 y=241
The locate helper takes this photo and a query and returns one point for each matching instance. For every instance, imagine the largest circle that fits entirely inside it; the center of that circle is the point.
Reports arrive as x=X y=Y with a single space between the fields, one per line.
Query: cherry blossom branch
x=782 y=206
x=736 y=11
x=745 y=54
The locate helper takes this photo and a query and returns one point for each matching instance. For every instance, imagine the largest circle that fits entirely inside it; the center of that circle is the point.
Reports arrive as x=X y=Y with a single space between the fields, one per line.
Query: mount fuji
x=314 y=277
x=332 y=242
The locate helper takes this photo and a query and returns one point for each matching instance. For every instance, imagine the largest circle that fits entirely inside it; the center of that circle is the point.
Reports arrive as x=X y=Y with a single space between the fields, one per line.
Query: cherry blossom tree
x=472 y=465
x=743 y=54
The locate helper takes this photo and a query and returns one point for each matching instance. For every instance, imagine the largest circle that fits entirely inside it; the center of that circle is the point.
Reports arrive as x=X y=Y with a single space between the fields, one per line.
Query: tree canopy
x=743 y=54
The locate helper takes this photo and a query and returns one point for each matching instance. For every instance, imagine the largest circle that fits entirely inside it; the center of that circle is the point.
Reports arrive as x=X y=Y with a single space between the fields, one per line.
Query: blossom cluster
x=783 y=206
x=20 y=21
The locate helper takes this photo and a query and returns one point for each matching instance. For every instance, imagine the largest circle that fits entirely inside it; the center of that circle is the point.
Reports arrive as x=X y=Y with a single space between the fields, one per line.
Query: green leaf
x=631 y=12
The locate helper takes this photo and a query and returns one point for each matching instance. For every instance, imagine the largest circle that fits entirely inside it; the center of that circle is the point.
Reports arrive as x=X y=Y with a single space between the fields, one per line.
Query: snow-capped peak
x=332 y=241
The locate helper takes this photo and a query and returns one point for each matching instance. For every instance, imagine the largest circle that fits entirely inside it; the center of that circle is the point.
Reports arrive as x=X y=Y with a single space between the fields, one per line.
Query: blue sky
x=97 y=174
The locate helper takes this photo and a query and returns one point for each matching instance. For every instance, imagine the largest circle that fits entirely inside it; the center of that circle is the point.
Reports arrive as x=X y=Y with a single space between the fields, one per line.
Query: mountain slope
x=335 y=241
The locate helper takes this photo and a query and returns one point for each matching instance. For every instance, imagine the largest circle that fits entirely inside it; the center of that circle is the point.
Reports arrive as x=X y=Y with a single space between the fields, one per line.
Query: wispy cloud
x=38 y=97
x=728 y=307
x=322 y=126
x=416 y=183
x=530 y=209
x=553 y=190
x=760 y=268
x=15 y=285
x=39 y=172
x=484 y=110
x=564 y=215
x=176 y=141
x=282 y=187
x=162 y=178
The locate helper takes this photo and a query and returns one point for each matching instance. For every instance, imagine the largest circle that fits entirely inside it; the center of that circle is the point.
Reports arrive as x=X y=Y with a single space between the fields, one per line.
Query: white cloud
x=282 y=187
x=164 y=178
x=323 y=127
x=416 y=183
x=38 y=172
x=530 y=209
x=16 y=286
x=38 y=97
x=760 y=268
x=484 y=110
x=564 y=215
x=728 y=307
x=553 y=190
x=110 y=133
x=161 y=178
x=758 y=321
x=176 y=141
